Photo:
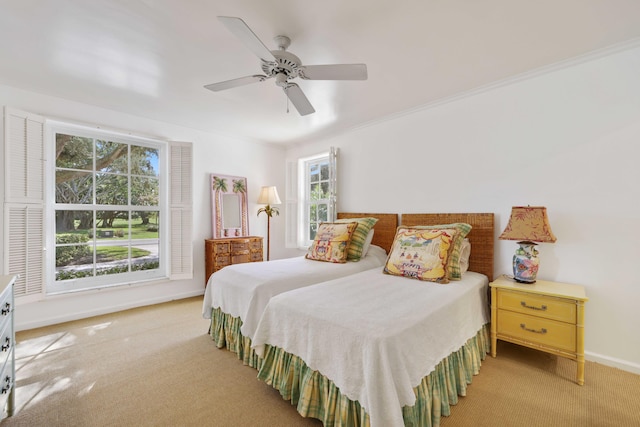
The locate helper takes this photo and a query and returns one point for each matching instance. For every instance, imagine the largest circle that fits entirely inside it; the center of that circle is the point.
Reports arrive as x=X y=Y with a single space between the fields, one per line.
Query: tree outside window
x=107 y=207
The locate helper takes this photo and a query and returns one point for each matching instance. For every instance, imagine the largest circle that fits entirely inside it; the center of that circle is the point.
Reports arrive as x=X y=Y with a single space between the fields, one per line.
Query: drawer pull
x=7 y=386
x=6 y=345
x=541 y=308
x=6 y=309
x=541 y=331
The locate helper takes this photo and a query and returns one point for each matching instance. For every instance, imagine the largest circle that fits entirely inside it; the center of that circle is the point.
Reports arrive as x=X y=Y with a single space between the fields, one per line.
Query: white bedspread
x=374 y=335
x=243 y=290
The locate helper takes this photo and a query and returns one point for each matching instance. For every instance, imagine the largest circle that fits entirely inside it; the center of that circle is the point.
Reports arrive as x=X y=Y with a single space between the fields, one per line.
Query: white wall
x=567 y=139
x=261 y=163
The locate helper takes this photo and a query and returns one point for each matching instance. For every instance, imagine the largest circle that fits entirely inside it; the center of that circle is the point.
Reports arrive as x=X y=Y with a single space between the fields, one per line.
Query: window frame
x=304 y=194
x=52 y=286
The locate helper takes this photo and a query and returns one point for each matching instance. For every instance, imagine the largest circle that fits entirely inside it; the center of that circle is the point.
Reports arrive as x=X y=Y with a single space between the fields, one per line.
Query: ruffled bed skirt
x=225 y=331
x=315 y=396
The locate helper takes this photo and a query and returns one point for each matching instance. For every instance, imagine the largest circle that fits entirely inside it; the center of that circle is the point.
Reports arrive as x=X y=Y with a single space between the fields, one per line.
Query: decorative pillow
x=367 y=243
x=359 y=236
x=421 y=254
x=454 y=264
x=465 y=253
x=332 y=241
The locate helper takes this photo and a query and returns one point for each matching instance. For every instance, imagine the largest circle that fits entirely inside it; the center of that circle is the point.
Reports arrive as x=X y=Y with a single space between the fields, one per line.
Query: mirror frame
x=228 y=184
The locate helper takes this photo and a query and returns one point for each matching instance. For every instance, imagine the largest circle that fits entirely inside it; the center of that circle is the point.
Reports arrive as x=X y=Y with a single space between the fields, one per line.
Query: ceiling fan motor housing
x=286 y=63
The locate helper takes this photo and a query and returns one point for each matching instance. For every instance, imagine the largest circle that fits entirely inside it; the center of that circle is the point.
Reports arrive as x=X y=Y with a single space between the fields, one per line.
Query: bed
x=381 y=350
x=236 y=295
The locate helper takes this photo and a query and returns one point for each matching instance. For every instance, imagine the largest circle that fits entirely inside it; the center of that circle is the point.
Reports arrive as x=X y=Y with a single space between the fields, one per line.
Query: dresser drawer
x=223 y=260
x=256 y=256
x=240 y=258
x=255 y=244
x=538 y=305
x=5 y=305
x=6 y=379
x=6 y=344
x=537 y=330
x=221 y=247
x=240 y=246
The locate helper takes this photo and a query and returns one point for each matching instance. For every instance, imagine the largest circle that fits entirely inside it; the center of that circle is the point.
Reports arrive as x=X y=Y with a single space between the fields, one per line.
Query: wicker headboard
x=481 y=236
x=385 y=228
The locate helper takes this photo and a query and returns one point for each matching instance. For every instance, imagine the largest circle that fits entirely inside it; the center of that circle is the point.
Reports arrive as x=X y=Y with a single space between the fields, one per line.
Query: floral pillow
x=332 y=241
x=356 y=248
x=421 y=253
x=455 y=272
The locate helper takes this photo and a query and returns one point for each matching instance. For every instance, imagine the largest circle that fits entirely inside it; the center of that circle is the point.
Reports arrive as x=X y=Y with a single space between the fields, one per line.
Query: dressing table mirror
x=229 y=206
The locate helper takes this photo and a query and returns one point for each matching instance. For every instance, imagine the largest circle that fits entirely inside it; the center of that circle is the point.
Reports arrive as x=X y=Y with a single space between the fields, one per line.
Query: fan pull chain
x=287 y=105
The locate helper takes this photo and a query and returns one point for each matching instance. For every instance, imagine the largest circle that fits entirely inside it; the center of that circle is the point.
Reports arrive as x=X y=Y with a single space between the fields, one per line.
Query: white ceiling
x=152 y=58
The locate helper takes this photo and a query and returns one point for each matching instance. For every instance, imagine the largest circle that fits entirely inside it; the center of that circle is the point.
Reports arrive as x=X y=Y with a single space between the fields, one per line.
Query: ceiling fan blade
x=242 y=31
x=298 y=99
x=334 y=72
x=228 y=84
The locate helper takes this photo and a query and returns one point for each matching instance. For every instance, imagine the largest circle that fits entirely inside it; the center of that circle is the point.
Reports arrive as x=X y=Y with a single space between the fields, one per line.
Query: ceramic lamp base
x=525 y=263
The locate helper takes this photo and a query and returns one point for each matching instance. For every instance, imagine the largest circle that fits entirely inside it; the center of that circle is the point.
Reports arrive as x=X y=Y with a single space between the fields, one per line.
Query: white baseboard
x=625 y=365
x=71 y=315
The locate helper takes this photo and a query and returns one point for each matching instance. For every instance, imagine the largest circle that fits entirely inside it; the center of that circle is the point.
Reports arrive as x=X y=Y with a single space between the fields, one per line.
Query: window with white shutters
x=311 y=196
x=118 y=208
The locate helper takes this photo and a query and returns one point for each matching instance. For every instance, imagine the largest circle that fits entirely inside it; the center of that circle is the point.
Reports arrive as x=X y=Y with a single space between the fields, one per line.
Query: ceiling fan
x=284 y=66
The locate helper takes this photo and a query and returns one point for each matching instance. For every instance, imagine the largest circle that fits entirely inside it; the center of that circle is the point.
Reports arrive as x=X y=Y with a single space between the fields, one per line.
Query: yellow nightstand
x=547 y=316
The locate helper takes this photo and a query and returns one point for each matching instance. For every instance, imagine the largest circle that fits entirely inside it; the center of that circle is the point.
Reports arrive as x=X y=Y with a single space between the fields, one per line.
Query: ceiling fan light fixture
x=281 y=79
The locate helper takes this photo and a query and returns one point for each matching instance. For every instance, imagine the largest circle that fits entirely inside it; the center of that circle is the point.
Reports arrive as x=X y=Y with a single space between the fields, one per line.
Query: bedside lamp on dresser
x=530 y=226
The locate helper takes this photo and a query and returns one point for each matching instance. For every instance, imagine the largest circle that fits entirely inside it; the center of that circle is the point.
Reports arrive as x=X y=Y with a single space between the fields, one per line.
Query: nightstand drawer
x=537 y=330
x=548 y=307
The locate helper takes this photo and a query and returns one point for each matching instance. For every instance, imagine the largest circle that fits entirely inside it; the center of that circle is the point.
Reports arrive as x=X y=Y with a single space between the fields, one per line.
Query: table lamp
x=529 y=225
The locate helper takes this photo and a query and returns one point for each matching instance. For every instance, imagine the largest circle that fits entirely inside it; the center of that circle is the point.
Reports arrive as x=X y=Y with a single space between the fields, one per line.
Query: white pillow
x=367 y=243
x=465 y=252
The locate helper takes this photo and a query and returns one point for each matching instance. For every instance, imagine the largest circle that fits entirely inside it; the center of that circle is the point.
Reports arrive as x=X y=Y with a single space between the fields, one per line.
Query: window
x=103 y=198
x=107 y=209
x=314 y=199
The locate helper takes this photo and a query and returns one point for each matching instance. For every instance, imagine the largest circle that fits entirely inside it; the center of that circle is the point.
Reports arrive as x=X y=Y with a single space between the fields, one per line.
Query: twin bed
x=366 y=348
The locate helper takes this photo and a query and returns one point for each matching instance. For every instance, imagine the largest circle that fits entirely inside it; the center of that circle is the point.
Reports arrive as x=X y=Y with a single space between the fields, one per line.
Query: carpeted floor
x=156 y=366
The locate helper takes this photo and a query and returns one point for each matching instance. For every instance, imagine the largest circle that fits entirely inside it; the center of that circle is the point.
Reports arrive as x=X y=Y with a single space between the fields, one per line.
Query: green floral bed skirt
x=316 y=396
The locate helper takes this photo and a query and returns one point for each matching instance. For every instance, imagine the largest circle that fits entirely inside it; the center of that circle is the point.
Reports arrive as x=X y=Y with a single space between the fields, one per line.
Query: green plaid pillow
x=359 y=236
x=455 y=272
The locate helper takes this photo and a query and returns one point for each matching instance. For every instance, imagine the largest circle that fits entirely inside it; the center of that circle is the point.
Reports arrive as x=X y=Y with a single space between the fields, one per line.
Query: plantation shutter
x=24 y=166
x=180 y=210
x=291 y=204
x=333 y=183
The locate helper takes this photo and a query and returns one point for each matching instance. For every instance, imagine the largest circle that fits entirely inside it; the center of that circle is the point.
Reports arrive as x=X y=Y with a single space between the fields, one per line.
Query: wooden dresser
x=7 y=344
x=547 y=316
x=225 y=251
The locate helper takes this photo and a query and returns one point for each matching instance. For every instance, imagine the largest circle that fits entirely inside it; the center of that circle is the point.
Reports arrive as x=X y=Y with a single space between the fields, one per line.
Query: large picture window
x=108 y=210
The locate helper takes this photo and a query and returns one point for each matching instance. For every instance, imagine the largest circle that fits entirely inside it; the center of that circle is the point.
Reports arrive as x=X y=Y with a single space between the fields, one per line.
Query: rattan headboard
x=481 y=236
x=385 y=228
